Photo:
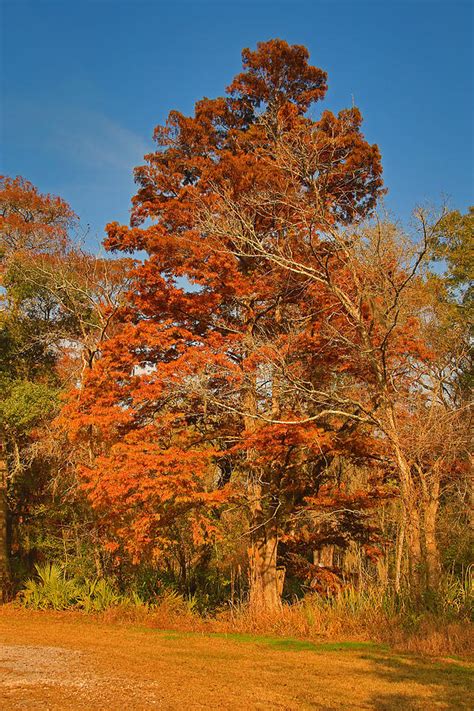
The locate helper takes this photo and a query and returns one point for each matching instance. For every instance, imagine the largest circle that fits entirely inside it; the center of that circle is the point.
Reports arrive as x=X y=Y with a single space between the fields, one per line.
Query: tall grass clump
x=437 y=626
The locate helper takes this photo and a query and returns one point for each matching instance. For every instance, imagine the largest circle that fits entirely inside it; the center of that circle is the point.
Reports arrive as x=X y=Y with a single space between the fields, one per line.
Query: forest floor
x=70 y=661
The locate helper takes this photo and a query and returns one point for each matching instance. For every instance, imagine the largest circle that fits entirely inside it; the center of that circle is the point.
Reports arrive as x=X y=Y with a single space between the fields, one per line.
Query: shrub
x=52 y=590
x=97 y=595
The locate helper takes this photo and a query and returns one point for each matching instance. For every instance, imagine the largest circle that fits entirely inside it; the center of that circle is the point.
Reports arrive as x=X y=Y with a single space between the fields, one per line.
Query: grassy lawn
x=68 y=661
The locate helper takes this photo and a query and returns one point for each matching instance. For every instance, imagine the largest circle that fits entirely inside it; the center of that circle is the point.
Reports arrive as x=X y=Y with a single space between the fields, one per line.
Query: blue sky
x=84 y=82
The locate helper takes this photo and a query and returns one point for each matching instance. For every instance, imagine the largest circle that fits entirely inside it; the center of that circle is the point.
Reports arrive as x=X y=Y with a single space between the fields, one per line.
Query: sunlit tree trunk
x=263 y=547
x=324 y=556
x=412 y=517
x=400 y=546
x=415 y=553
x=430 y=511
x=265 y=578
x=4 y=552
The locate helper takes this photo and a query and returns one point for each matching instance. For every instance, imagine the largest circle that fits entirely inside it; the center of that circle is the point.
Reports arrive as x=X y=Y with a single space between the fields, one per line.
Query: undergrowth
x=53 y=590
x=436 y=624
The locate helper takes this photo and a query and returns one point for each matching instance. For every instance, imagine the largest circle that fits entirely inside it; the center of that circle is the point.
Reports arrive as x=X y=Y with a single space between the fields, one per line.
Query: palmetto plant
x=97 y=595
x=51 y=590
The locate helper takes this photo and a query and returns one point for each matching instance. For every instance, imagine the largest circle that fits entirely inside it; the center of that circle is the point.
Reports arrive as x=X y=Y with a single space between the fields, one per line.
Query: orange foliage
x=201 y=370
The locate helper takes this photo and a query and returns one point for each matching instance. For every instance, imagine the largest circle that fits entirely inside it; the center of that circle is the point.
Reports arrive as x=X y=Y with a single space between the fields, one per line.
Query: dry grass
x=309 y=620
x=64 y=660
x=434 y=639
x=368 y=613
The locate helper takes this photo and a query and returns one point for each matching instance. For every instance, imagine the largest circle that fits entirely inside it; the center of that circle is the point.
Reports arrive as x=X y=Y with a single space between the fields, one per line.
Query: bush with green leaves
x=97 y=595
x=52 y=589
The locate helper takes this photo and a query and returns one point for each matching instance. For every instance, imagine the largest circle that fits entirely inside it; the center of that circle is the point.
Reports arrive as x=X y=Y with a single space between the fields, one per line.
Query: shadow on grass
x=452 y=684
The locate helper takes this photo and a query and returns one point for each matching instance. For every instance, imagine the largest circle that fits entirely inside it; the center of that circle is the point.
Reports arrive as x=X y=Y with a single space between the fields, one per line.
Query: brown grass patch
x=432 y=636
x=85 y=662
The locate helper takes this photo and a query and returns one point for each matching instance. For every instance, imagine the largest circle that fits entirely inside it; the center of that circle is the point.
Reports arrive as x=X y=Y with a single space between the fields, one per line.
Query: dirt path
x=62 y=661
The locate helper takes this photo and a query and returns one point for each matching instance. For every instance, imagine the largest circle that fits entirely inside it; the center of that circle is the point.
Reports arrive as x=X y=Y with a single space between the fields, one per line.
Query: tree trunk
x=4 y=553
x=412 y=516
x=415 y=553
x=433 y=566
x=399 y=550
x=265 y=578
x=324 y=556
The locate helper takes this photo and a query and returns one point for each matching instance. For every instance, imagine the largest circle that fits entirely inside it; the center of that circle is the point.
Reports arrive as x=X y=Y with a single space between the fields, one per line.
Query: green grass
x=278 y=643
x=292 y=644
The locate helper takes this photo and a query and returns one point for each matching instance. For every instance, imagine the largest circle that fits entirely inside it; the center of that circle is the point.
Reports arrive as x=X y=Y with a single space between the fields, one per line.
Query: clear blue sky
x=84 y=82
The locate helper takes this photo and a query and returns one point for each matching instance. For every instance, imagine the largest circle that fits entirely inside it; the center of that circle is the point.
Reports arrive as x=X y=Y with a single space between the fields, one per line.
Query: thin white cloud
x=86 y=138
x=96 y=141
